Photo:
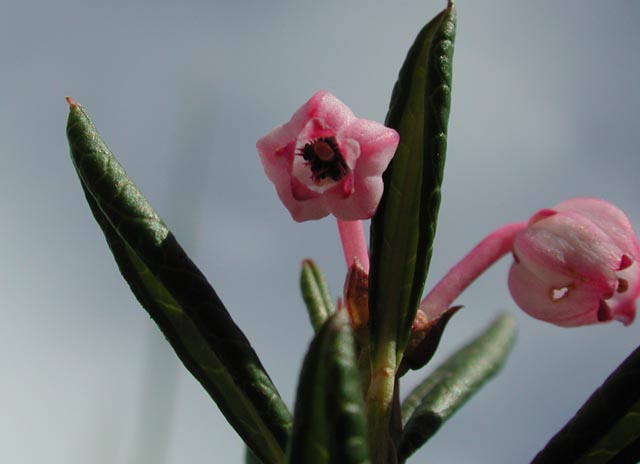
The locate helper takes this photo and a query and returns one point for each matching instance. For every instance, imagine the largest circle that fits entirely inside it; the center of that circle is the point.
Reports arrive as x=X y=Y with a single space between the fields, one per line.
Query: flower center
x=323 y=157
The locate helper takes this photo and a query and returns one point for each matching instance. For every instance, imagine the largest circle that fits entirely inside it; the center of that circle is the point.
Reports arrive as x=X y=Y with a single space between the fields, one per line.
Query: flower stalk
x=354 y=244
x=483 y=255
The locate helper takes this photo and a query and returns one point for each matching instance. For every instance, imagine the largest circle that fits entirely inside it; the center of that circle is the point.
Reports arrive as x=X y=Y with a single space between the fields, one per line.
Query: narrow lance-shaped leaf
x=432 y=402
x=250 y=458
x=403 y=228
x=178 y=297
x=329 y=423
x=607 y=427
x=315 y=293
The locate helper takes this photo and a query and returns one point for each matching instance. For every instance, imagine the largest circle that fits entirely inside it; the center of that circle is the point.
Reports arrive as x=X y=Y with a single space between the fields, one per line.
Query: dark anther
x=625 y=262
x=623 y=285
x=604 y=312
x=324 y=159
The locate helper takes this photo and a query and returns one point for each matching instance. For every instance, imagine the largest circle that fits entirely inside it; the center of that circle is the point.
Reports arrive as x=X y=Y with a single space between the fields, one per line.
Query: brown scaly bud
x=356 y=299
x=425 y=337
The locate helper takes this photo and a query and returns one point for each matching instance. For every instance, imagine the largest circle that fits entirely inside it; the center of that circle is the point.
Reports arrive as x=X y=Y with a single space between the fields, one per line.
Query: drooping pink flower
x=327 y=161
x=576 y=264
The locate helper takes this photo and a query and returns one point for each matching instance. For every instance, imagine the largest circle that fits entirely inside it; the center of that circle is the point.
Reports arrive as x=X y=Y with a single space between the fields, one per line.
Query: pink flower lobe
x=327 y=161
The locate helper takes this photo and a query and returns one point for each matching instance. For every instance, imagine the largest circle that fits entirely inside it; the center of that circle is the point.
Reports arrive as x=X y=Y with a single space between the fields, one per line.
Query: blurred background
x=545 y=107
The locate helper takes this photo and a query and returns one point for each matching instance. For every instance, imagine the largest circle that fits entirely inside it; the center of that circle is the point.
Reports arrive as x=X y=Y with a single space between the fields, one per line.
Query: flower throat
x=323 y=156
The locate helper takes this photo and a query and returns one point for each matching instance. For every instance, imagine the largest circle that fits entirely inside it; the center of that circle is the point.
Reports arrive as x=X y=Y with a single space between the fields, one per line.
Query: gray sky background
x=545 y=107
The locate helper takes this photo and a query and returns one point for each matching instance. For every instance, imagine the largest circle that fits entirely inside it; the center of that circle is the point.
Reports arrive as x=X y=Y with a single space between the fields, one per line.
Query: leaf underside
x=178 y=297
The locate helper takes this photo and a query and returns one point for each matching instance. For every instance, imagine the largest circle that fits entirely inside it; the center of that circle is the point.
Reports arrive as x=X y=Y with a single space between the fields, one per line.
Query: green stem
x=380 y=402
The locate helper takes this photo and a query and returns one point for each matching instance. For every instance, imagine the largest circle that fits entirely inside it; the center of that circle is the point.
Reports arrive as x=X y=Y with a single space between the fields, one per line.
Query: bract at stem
x=354 y=244
x=483 y=255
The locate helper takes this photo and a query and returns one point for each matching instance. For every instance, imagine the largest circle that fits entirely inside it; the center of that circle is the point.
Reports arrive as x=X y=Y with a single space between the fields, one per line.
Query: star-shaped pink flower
x=326 y=161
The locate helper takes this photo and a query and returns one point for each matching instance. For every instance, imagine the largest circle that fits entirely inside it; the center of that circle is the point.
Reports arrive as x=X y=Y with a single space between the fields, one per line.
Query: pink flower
x=325 y=160
x=576 y=264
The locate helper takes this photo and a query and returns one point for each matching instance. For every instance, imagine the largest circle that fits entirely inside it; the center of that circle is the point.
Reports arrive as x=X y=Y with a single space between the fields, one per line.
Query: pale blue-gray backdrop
x=545 y=107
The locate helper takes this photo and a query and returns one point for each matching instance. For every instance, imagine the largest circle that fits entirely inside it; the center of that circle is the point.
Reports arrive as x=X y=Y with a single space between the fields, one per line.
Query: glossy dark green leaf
x=250 y=458
x=607 y=428
x=403 y=228
x=315 y=293
x=329 y=423
x=178 y=297
x=433 y=401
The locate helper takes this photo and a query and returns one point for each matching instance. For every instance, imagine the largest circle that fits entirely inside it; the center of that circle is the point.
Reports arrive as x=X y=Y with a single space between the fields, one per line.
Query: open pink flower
x=577 y=264
x=325 y=160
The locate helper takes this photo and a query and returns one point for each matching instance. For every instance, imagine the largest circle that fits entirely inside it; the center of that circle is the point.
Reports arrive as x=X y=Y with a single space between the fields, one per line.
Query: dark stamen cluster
x=323 y=157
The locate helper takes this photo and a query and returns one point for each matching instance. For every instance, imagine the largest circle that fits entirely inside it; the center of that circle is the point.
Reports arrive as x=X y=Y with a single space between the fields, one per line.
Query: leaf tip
x=72 y=103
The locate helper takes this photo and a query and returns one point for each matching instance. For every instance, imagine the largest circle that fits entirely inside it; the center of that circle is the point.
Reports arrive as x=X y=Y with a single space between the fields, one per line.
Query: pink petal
x=312 y=207
x=570 y=244
x=361 y=205
x=623 y=303
x=300 y=192
x=358 y=206
x=325 y=108
x=308 y=210
x=608 y=218
x=625 y=312
x=377 y=145
x=535 y=296
x=277 y=166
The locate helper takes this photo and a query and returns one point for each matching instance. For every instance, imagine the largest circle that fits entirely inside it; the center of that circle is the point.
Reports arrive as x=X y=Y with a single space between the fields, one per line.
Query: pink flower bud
x=325 y=160
x=576 y=264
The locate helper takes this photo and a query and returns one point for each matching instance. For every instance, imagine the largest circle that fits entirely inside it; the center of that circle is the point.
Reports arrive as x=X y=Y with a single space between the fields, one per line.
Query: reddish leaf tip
x=72 y=103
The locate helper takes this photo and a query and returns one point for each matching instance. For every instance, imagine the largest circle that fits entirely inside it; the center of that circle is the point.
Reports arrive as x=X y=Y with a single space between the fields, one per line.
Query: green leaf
x=250 y=458
x=329 y=424
x=315 y=293
x=178 y=297
x=432 y=402
x=607 y=427
x=403 y=228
